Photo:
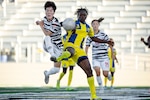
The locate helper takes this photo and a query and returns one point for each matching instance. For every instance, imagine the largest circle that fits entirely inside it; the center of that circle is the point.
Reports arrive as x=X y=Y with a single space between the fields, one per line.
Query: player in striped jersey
x=52 y=41
x=100 y=58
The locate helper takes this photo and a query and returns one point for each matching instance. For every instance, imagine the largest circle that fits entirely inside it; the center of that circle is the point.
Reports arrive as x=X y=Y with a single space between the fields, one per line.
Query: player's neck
x=96 y=31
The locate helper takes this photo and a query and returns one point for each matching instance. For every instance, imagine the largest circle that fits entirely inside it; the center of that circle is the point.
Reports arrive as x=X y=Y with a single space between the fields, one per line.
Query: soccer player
x=112 y=58
x=52 y=42
x=66 y=63
x=146 y=43
x=73 y=47
x=100 y=58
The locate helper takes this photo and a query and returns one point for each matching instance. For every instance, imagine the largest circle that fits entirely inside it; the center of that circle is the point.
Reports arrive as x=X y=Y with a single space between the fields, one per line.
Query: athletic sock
x=70 y=77
x=64 y=55
x=99 y=80
x=61 y=76
x=105 y=81
x=112 y=81
x=92 y=87
x=53 y=70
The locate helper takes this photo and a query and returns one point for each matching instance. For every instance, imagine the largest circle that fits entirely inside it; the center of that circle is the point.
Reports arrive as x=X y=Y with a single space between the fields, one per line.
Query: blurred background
x=126 y=21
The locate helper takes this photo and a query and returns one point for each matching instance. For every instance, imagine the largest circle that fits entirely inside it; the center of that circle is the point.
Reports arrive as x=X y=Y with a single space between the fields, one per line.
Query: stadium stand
x=126 y=21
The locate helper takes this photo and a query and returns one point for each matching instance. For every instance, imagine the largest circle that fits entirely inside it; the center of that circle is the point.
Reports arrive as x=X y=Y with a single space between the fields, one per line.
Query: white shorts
x=103 y=64
x=52 y=48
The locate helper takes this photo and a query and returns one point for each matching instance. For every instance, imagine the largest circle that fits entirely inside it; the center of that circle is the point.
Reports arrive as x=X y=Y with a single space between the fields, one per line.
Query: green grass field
x=78 y=93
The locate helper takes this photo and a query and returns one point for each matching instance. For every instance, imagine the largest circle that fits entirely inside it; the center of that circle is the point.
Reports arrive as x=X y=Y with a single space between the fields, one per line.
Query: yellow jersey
x=76 y=38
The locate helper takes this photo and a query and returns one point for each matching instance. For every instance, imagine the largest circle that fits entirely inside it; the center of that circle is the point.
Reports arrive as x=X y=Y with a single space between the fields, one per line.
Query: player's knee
x=71 y=50
x=71 y=67
x=89 y=72
x=64 y=70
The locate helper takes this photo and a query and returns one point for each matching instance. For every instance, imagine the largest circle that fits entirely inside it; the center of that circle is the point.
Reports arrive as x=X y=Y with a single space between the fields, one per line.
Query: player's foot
x=111 y=87
x=101 y=89
x=58 y=84
x=46 y=77
x=109 y=77
x=96 y=99
x=105 y=87
x=53 y=58
x=69 y=89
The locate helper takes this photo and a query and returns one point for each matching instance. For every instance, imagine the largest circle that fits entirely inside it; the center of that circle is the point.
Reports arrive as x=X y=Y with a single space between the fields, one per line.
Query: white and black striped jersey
x=55 y=27
x=99 y=50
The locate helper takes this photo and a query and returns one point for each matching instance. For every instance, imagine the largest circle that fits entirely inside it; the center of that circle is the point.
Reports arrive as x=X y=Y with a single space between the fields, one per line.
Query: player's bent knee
x=71 y=50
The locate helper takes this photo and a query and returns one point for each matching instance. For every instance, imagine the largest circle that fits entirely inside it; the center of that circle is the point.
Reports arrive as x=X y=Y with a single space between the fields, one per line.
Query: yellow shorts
x=67 y=63
x=79 y=52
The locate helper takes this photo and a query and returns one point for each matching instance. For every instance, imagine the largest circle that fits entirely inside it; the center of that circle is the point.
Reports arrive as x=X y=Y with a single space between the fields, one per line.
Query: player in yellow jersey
x=65 y=64
x=73 y=47
x=112 y=57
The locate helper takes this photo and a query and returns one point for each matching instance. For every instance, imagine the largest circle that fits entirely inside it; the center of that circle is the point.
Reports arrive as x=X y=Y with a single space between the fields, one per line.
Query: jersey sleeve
x=91 y=32
x=88 y=41
x=53 y=26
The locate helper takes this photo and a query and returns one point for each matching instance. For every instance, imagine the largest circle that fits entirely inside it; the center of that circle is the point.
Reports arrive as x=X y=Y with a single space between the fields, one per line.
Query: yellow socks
x=92 y=87
x=112 y=81
x=65 y=54
x=105 y=81
x=58 y=81
x=70 y=77
x=61 y=76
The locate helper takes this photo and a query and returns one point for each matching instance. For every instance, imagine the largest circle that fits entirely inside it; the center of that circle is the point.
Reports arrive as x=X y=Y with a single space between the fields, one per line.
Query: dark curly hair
x=50 y=4
x=81 y=9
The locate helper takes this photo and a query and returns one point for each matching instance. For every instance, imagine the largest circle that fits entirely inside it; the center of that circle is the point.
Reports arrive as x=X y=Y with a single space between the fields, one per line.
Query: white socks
x=99 y=80
x=53 y=70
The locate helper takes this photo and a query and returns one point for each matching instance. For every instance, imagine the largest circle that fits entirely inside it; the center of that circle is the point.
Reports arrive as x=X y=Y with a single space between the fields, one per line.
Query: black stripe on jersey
x=81 y=46
x=56 y=25
x=101 y=53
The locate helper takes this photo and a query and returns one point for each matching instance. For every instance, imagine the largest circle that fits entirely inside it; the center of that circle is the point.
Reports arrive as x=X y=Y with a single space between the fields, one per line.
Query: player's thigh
x=57 y=51
x=82 y=60
x=105 y=64
x=96 y=66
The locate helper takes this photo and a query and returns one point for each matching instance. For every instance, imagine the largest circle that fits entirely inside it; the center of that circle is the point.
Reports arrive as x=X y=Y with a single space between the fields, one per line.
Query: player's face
x=82 y=16
x=95 y=25
x=49 y=13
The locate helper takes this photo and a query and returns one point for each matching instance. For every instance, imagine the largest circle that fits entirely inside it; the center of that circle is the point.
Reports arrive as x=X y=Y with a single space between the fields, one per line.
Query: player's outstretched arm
x=100 y=41
x=41 y=24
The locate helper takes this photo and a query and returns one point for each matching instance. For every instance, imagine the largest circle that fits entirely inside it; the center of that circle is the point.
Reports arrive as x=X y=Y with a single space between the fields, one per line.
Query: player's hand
x=37 y=22
x=41 y=23
x=142 y=39
x=109 y=42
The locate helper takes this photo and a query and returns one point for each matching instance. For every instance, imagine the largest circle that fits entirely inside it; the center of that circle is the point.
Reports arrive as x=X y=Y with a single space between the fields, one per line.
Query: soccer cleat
x=58 y=84
x=96 y=99
x=101 y=89
x=105 y=87
x=46 y=77
x=111 y=87
x=69 y=89
x=52 y=58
